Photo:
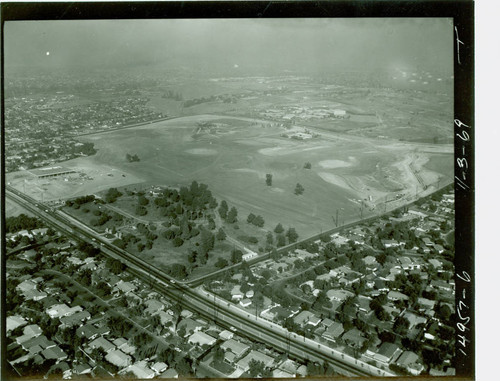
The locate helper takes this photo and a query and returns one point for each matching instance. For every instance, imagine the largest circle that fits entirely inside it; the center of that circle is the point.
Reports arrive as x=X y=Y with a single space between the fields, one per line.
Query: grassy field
x=234 y=158
x=361 y=160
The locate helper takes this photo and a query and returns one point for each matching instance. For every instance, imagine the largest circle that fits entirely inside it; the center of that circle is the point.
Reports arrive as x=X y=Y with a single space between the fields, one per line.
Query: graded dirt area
x=234 y=157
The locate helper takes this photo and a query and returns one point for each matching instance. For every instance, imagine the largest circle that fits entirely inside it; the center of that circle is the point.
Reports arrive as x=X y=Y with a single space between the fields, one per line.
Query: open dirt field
x=234 y=157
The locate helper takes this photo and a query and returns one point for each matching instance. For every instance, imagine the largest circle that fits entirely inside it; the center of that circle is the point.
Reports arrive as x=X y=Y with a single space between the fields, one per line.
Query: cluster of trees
x=226 y=98
x=21 y=222
x=259 y=369
x=177 y=270
x=103 y=218
x=255 y=220
x=236 y=256
x=116 y=266
x=316 y=369
x=192 y=201
x=269 y=179
x=248 y=238
x=307 y=165
x=111 y=195
x=282 y=235
x=299 y=189
x=80 y=201
x=131 y=158
x=89 y=249
x=119 y=326
x=125 y=240
x=229 y=215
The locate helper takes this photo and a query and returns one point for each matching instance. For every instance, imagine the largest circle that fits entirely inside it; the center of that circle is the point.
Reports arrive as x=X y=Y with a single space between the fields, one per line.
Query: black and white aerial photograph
x=232 y=198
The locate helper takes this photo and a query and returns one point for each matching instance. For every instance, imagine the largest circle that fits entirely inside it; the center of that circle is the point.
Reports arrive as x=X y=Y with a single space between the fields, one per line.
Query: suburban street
x=224 y=313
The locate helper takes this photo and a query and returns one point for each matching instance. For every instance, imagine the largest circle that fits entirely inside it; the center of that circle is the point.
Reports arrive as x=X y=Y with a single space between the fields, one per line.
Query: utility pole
x=215 y=310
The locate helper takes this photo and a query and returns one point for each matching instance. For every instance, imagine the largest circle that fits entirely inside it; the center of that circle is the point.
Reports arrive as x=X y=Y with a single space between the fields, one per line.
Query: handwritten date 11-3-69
x=462 y=154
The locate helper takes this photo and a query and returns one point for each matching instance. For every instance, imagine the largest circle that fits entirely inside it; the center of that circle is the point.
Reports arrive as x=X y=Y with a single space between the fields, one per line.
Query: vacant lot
x=234 y=158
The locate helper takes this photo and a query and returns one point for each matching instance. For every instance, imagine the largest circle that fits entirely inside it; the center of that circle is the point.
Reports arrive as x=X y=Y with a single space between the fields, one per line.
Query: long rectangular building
x=50 y=171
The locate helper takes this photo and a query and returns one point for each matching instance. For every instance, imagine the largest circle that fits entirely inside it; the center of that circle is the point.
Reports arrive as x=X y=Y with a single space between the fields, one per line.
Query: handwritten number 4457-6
x=462 y=314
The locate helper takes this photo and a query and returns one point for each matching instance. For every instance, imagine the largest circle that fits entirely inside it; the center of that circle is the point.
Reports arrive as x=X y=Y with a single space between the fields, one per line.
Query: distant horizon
x=233 y=46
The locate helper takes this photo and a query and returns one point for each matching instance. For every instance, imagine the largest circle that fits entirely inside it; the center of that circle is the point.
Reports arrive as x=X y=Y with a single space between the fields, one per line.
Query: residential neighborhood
x=71 y=315
x=246 y=197
x=382 y=292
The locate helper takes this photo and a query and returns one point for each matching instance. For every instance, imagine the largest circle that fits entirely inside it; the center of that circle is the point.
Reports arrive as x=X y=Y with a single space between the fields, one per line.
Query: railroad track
x=221 y=311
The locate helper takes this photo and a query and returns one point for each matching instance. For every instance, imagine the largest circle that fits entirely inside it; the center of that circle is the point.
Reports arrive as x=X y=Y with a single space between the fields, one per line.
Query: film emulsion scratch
x=226 y=198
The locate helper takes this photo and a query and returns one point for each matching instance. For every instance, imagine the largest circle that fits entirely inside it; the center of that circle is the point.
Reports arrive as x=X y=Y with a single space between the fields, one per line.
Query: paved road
x=222 y=312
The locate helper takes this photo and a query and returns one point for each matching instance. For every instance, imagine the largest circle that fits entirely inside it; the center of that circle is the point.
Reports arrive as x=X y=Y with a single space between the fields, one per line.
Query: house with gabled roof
x=34 y=350
x=338 y=295
x=280 y=373
x=245 y=302
x=201 y=338
x=29 y=332
x=414 y=319
x=82 y=369
x=124 y=287
x=75 y=319
x=101 y=342
x=334 y=331
x=226 y=335
x=26 y=286
x=159 y=367
x=396 y=295
x=141 y=370
x=59 y=310
x=153 y=306
x=411 y=362
x=326 y=322
x=236 y=293
x=306 y=317
x=243 y=364
x=118 y=358
x=289 y=366
x=436 y=263
x=190 y=326
x=427 y=241
x=354 y=338
x=41 y=341
x=54 y=353
x=123 y=345
x=235 y=347
x=15 y=321
x=387 y=353
x=88 y=331
x=34 y=295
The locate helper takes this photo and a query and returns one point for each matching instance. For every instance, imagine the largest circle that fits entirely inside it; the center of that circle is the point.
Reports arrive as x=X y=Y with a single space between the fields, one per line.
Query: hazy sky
x=319 y=44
